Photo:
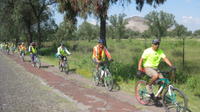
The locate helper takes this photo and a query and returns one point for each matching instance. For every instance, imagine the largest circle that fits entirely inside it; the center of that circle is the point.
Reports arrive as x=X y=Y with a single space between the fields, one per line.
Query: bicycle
x=64 y=66
x=173 y=99
x=22 y=55
x=103 y=76
x=36 y=61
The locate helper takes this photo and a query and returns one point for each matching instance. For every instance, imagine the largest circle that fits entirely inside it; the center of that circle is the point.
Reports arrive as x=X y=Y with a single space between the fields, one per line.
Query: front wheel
x=141 y=93
x=108 y=81
x=66 y=67
x=176 y=101
x=95 y=77
x=37 y=62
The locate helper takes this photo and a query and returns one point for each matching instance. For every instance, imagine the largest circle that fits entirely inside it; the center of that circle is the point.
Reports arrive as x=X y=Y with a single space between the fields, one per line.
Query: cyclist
x=22 y=49
x=62 y=52
x=33 y=51
x=7 y=47
x=150 y=60
x=100 y=53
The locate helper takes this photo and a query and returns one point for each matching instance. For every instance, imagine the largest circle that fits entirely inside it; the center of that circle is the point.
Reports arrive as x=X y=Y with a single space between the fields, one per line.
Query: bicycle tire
x=172 y=103
x=66 y=68
x=108 y=81
x=95 y=78
x=38 y=63
x=141 y=92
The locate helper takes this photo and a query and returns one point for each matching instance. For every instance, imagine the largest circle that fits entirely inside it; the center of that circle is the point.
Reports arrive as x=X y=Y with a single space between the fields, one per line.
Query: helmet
x=61 y=44
x=33 y=44
x=22 y=43
x=101 y=41
x=156 y=41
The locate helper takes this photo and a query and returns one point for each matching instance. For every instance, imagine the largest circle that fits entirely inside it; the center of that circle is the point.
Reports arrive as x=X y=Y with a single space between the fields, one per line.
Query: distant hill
x=136 y=23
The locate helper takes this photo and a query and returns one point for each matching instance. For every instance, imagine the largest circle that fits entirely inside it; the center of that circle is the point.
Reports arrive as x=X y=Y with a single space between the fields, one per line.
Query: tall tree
x=41 y=12
x=159 y=23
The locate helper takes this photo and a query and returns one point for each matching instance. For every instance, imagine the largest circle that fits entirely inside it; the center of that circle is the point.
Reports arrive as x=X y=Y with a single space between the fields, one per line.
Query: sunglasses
x=156 y=44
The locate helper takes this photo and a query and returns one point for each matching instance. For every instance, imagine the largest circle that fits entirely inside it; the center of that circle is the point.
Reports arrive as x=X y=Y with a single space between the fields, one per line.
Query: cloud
x=190 y=20
x=192 y=23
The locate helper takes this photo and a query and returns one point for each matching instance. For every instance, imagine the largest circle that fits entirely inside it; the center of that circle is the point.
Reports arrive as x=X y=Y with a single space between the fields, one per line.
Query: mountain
x=136 y=23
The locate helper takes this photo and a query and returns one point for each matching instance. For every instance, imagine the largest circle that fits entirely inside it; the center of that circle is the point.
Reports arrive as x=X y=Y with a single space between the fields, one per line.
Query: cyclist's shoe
x=157 y=103
x=159 y=98
x=149 y=89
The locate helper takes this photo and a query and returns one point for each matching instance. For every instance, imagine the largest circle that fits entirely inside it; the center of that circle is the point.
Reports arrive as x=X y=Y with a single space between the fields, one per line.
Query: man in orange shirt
x=100 y=53
x=22 y=49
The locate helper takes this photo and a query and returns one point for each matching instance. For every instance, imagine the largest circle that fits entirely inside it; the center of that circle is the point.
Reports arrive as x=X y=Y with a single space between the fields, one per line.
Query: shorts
x=61 y=57
x=151 y=71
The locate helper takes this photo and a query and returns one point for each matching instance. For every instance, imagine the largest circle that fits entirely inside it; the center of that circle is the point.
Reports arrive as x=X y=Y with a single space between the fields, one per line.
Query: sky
x=186 y=12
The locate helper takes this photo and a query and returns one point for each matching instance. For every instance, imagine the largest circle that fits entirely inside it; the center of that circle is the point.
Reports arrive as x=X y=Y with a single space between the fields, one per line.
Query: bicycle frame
x=166 y=82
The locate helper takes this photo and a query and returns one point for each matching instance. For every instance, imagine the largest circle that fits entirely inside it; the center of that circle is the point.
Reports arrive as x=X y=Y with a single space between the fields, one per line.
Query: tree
x=181 y=31
x=41 y=13
x=99 y=8
x=117 y=26
x=196 y=33
x=159 y=23
x=87 y=31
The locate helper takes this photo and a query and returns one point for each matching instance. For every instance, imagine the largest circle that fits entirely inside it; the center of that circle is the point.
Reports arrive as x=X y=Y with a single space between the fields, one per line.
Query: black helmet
x=33 y=43
x=156 y=41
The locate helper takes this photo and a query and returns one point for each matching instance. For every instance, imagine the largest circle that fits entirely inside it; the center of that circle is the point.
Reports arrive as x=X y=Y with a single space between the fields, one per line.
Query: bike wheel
x=141 y=93
x=176 y=102
x=66 y=68
x=108 y=81
x=22 y=57
x=95 y=77
x=38 y=63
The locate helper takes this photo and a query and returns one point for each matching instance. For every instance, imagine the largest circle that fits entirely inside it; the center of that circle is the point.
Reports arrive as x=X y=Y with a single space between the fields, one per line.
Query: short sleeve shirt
x=151 y=58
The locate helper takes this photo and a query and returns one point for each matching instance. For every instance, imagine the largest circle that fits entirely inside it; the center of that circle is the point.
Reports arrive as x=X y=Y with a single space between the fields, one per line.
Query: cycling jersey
x=152 y=58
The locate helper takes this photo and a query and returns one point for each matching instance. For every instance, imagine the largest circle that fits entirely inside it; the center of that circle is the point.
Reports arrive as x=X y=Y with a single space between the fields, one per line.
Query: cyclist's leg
x=154 y=76
x=32 y=57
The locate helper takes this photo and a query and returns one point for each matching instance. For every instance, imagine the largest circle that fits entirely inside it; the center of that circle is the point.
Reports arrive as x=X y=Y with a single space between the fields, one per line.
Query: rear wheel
x=141 y=93
x=108 y=81
x=66 y=67
x=176 y=102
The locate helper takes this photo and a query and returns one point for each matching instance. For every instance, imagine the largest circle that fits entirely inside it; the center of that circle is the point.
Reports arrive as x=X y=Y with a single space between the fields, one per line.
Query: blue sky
x=186 y=12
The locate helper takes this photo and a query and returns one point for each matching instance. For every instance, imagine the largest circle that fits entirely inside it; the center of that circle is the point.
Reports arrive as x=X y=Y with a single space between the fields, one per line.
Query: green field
x=126 y=54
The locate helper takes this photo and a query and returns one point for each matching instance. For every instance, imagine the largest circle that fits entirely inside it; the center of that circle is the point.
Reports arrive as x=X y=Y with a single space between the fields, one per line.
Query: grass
x=126 y=54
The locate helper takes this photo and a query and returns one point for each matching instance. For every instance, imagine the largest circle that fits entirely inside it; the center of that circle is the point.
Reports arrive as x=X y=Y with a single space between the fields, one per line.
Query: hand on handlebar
x=111 y=60
x=173 y=67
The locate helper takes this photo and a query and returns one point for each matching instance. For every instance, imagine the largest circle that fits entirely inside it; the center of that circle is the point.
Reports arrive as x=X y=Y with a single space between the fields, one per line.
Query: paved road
x=21 y=91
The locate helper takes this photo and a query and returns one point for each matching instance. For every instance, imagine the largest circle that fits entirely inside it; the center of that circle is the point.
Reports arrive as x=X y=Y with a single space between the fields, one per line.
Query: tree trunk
x=103 y=28
x=39 y=32
x=30 y=37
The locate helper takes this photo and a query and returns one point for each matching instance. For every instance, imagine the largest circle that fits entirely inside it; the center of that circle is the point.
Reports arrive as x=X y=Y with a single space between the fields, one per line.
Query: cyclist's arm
x=140 y=64
x=108 y=54
x=166 y=60
x=67 y=51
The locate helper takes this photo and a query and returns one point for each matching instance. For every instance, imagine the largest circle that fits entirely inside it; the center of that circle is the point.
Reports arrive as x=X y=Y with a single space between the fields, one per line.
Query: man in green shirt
x=149 y=62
